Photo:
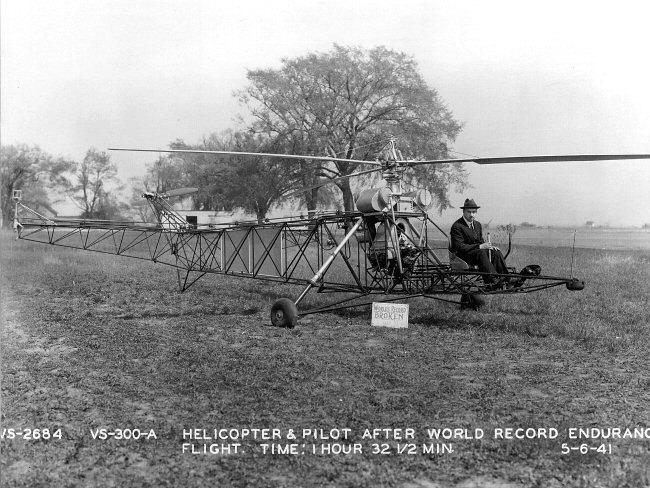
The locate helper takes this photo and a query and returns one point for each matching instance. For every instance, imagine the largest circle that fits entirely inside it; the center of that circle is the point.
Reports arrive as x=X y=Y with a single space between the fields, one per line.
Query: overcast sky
x=526 y=78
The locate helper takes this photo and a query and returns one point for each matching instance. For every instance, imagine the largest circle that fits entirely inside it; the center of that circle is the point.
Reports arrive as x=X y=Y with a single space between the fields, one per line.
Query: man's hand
x=488 y=245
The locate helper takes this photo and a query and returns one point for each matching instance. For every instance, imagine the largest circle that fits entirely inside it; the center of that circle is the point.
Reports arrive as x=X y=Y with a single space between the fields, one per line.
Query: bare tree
x=89 y=186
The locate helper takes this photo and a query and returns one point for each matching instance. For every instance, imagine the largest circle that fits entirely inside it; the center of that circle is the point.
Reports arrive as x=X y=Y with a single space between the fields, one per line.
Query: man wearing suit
x=468 y=244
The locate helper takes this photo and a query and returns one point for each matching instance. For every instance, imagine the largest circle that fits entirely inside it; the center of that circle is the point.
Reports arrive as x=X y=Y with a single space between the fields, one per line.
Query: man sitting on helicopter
x=468 y=244
x=405 y=243
x=383 y=251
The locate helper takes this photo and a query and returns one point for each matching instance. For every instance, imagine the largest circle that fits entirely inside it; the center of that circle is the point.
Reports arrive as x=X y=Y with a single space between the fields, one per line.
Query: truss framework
x=331 y=253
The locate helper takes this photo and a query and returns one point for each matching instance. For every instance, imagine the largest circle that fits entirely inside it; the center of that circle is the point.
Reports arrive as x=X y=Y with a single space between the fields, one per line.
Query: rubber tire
x=471 y=301
x=575 y=285
x=284 y=313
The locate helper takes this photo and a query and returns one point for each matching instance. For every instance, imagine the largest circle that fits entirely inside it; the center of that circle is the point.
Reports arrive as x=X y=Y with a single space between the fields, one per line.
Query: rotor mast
x=393 y=171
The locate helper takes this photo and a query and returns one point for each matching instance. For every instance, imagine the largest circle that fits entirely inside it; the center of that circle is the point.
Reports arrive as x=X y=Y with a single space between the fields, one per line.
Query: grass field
x=93 y=341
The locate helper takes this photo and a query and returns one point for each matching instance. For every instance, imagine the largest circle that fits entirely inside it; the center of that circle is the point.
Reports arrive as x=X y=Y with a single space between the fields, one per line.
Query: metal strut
x=319 y=274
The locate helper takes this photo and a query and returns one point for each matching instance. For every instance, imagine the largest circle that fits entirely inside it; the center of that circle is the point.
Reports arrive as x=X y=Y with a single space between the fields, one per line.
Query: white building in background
x=211 y=217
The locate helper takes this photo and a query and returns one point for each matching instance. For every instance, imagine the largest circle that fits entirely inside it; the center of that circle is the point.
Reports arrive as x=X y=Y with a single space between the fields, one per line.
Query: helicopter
x=389 y=249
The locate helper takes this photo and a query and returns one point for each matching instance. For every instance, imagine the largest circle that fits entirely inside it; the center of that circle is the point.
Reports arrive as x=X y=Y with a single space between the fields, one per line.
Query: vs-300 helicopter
x=389 y=248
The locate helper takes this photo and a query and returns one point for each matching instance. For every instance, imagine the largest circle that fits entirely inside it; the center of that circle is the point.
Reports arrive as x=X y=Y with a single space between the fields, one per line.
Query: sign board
x=390 y=315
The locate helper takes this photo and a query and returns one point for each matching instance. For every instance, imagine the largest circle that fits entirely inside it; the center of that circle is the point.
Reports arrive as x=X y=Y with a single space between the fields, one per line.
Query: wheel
x=472 y=301
x=575 y=284
x=284 y=313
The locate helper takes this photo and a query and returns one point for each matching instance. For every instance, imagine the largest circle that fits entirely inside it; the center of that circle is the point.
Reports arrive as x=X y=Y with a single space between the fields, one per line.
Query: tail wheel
x=284 y=313
x=575 y=285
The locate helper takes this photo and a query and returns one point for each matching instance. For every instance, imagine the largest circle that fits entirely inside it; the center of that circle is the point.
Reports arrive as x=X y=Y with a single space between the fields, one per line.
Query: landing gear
x=284 y=313
x=575 y=285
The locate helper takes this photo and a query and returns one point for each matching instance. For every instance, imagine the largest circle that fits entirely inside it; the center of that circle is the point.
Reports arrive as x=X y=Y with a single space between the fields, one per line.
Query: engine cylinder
x=373 y=200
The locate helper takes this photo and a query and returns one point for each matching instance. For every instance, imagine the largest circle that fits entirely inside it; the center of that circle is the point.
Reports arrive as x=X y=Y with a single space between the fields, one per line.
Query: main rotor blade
x=534 y=159
x=181 y=191
x=236 y=153
x=323 y=183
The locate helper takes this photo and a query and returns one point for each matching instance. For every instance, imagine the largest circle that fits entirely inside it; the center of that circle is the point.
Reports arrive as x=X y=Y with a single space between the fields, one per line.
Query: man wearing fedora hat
x=468 y=244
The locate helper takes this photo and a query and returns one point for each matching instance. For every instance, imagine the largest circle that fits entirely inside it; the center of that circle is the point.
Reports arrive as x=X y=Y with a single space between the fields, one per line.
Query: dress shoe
x=516 y=283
